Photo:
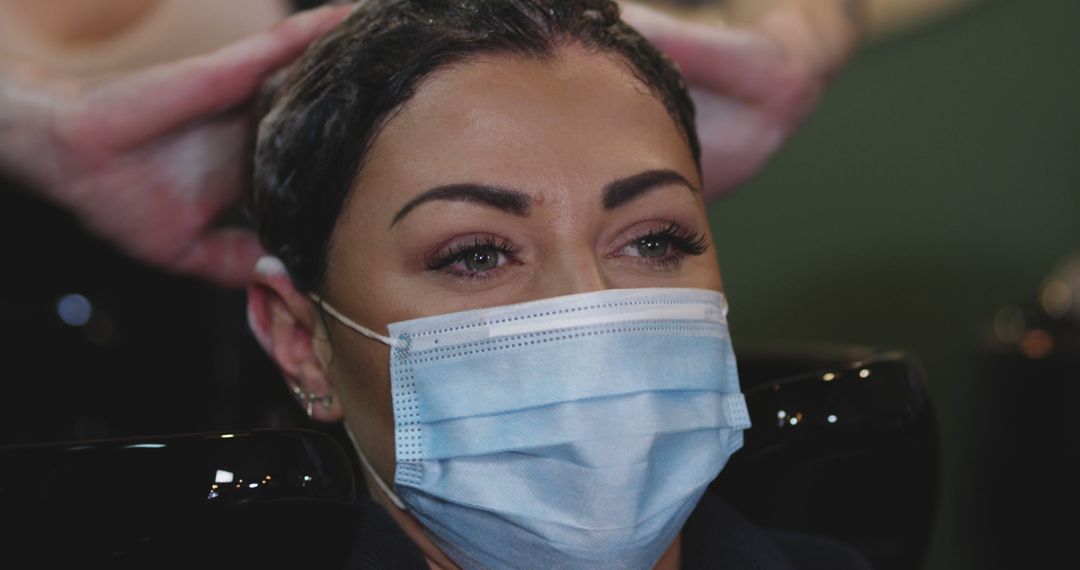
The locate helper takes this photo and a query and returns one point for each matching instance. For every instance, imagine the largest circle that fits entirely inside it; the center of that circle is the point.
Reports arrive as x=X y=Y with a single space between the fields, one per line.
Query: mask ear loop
x=378 y=480
x=390 y=494
x=391 y=342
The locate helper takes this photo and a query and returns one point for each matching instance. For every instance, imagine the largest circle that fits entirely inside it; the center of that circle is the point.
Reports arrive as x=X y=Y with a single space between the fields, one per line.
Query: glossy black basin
x=843 y=445
x=104 y=504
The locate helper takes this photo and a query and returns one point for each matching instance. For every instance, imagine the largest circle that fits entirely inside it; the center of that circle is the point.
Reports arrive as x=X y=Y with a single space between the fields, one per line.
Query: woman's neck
x=672 y=558
x=412 y=528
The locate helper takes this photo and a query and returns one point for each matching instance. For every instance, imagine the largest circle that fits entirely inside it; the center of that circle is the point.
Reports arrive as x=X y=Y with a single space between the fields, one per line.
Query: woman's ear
x=285 y=321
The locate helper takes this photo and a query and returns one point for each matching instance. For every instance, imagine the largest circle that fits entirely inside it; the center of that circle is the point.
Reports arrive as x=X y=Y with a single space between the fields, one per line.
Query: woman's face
x=505 y=180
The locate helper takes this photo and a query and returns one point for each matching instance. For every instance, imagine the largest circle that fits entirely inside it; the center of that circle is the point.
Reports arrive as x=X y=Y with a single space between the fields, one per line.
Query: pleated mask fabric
x=571 y=432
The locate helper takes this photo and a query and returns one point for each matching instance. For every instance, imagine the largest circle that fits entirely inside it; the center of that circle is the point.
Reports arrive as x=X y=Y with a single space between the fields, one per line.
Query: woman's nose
x=572 y=274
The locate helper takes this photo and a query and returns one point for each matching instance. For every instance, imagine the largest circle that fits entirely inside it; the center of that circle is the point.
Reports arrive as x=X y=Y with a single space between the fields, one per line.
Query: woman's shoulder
x=718 y=536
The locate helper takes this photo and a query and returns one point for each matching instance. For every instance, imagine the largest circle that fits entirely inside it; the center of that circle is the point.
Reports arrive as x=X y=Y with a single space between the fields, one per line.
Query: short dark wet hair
x=326 y=110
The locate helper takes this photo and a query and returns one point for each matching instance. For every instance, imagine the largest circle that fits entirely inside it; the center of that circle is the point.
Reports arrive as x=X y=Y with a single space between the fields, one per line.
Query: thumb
x=147 y=104
x=723 y=59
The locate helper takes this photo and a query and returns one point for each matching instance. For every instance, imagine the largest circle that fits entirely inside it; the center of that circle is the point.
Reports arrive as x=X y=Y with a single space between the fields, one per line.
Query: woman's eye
x=652 y=246
x=664 y=248
x=482 y=259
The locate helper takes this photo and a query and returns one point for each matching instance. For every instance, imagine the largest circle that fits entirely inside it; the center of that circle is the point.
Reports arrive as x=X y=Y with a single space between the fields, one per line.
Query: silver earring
x=297 y=392
x=312 y=397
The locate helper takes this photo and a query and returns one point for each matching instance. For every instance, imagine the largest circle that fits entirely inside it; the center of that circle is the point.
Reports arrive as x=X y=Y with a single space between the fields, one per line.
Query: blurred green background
x=938 y=182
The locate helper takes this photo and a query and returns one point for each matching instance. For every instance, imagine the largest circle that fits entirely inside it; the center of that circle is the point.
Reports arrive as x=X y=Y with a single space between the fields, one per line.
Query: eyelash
x=463 y=249
x=683 y=242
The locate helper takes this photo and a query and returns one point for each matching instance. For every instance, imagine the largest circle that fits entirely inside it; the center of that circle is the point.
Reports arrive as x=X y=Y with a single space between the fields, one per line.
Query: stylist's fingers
x=726 y=60
x=736 y=140
x=821 y=40
x=225 y=257
x=145 y=105
x=780 y=53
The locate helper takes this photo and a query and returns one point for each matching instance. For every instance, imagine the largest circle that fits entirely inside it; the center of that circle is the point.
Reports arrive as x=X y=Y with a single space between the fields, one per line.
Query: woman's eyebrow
x=511 y=201
x=622 y=191
x=519 y=203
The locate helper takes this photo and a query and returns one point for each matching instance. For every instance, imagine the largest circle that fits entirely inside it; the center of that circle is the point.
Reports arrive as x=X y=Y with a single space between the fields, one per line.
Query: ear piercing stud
x=311 y=398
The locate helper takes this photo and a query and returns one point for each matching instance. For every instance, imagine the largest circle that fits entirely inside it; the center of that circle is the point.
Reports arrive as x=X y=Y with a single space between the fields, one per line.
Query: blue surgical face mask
x=572 y=432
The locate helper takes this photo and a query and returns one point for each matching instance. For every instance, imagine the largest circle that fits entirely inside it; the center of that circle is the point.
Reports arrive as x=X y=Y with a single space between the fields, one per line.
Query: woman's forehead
x=520 y=121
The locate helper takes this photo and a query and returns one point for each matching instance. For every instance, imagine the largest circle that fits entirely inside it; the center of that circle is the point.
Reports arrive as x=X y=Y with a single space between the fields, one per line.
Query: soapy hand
x=149 y=160
x=753 y=84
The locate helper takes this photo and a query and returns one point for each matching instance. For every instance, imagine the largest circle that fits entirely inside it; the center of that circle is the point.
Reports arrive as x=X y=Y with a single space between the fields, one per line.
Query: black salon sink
x=843 y=445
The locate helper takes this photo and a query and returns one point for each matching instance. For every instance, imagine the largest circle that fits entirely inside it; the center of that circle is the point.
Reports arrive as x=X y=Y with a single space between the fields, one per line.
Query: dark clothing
x=715 y=537
x=381 y=544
